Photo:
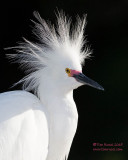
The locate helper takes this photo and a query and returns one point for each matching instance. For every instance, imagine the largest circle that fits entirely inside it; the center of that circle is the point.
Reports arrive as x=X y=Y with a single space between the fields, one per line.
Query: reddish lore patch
x=72 y=72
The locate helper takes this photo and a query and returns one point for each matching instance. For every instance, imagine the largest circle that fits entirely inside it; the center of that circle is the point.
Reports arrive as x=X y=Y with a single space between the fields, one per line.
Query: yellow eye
x=67 y=70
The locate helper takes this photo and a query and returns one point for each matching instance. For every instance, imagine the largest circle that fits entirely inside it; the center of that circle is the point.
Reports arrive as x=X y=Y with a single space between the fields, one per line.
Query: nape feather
x=33 y=57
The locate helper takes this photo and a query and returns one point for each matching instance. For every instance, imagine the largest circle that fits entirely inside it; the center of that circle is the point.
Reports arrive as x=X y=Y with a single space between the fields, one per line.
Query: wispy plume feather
x=33 y=57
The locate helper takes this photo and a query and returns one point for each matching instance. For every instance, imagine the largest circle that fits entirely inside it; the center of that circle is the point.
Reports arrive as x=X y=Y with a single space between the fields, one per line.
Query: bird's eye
x=67 y=70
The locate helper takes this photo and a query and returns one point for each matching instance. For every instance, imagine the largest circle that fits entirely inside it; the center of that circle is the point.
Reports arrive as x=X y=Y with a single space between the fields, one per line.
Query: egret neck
x=62 y=119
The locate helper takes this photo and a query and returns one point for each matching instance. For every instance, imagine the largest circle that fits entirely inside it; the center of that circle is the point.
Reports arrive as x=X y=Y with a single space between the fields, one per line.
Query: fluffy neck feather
x=62 y=120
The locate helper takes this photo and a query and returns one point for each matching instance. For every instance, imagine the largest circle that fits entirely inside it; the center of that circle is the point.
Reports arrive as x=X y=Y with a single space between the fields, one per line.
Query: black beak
x=85 y=80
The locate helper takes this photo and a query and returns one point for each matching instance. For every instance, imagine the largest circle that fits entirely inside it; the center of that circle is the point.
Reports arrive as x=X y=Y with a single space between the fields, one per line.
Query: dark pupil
x=67 y=70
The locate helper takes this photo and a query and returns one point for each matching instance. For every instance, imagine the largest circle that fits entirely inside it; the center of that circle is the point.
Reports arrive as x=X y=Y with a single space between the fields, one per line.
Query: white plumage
x=42 y=126
x=22 y=136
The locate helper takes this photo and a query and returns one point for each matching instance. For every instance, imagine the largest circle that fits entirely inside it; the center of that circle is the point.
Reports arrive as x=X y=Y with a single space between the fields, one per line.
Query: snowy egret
x=42 y=126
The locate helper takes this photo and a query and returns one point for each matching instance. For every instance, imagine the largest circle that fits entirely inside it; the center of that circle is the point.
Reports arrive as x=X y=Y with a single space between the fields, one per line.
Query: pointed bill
x=85 y=80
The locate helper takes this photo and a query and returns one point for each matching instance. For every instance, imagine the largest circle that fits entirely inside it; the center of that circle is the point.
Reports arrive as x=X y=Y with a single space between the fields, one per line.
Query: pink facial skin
x=72 y=72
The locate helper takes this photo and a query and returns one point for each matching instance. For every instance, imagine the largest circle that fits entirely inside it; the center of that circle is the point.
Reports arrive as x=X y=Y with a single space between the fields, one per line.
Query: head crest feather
x=33 y=57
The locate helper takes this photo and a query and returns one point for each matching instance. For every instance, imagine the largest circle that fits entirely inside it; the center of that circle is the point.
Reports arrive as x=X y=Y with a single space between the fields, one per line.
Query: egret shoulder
x=23 y=125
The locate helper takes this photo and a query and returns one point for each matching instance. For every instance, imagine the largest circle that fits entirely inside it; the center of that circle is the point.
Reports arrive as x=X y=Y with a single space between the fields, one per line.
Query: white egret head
x=58 y=57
